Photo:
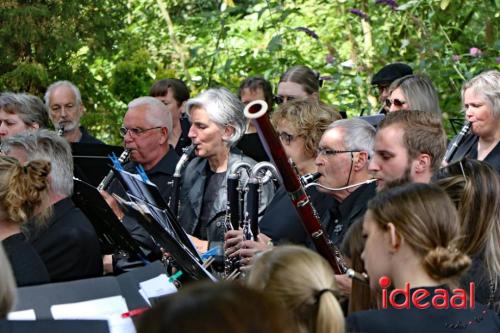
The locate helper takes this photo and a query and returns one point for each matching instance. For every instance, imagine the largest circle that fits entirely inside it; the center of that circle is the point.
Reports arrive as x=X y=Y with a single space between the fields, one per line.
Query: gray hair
x=419 y=92
x=157 y=115
x=7 y=285
x=358 y=134
x=28 y=107
x=488 y=85
x=223 y=108
x=47 y=145
x=63 y=83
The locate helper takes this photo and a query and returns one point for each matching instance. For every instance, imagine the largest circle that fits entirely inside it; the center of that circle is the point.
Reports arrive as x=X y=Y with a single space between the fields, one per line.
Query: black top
x=428 y=320
x=468 y=148
x=184 y=140
x=282 y=223
x=251 y=146
x=87 y=138
x=27 y=266
x=67 y=244
x=342 y=215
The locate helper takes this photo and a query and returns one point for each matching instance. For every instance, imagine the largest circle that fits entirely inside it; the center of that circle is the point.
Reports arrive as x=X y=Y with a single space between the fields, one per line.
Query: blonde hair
x=425 y=217
x=23 y=189
x=305 y=283
x=310 y=119
x=7 y=285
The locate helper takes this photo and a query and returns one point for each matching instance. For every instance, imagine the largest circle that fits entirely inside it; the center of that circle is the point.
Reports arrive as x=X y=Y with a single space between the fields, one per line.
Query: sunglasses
x=397 y=102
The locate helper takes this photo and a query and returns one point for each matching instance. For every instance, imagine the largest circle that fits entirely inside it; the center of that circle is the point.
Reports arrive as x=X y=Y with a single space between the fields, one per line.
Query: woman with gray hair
x=481 y=103
x=413 y=92
x=218 y=123
x=21 y=112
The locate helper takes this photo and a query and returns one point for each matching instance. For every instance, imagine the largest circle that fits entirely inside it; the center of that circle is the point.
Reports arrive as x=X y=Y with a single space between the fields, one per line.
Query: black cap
x=391 y=72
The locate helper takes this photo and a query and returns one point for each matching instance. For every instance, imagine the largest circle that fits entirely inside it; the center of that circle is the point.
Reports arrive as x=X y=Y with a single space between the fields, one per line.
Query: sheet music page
x=22 y=315
x=156 y=287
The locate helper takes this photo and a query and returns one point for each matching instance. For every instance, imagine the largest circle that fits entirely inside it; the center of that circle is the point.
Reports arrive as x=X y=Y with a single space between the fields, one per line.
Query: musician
x=299 y=124
x=64 y=101
x=409 y=147
x=23 y=191
x=474 y=188
x=252 y=89
x=218 y=123
x=481 y=101
x=174 y=93
x=21 y=112
x=413 y=92
x=385 y=76
x=411 y=233
x=146 y=129
x=343 y=156
x=298 y=82
x=67 y=243
x=304 y=283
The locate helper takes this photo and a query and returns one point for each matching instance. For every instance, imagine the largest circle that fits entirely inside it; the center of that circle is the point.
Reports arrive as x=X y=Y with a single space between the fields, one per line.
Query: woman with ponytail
x=412 y=233
x=23 y=192
x=298 y=82
x=305 y=283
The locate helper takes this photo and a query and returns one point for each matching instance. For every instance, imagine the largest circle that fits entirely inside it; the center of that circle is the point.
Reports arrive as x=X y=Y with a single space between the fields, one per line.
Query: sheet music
x=156 y=287
x=22 y=315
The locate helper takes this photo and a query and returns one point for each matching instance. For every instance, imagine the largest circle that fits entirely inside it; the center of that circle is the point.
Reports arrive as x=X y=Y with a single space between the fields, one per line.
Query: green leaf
x=444 y=4
x=276 y=43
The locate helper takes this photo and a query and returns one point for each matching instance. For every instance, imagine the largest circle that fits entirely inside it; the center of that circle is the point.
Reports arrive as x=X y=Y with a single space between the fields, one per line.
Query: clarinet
x=60 y=130
x=257 y=110
x=103 y=185
x=452 y=149
x=173 y=202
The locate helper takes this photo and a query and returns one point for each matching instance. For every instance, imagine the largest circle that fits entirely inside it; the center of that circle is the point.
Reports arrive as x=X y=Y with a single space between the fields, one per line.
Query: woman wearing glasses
x=298 y=82
x=413 y=92
x=299 y=124
x=218 y=123
x=481 y=101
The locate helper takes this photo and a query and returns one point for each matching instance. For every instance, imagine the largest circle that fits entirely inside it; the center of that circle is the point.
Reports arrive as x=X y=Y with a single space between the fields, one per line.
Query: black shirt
x=251 y=146
x=468 y=148
x=342 y=215
x=27 y=266
x=282 y=223
x=67 y=244
x=87 y=138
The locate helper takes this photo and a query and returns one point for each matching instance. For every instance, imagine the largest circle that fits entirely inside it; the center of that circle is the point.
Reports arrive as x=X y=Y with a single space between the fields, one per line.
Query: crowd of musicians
x=395 y=199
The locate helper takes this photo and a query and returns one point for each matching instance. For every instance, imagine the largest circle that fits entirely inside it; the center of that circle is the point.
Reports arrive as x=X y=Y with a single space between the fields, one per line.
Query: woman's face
x=293 y=144
x=398 y=101
x=11 y=124
x=290 y=90
x=479 y=112
x=375 y=255
x=206 y=134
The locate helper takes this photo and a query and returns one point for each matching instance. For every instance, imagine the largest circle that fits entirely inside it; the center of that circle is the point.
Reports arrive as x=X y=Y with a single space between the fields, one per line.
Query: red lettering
x=405 y=292
x=472 y=295
x=419 y=295
x=442 y=295
x=384 y=298
x=459 y=299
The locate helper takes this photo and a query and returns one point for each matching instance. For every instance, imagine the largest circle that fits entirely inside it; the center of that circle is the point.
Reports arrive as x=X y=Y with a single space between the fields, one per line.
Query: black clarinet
x=103 y=185
x=173 y=202
x=60 y=130
x=452 y=148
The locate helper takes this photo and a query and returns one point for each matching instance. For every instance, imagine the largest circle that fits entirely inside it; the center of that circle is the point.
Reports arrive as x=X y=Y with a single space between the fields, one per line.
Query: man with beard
x=409 y=147
x=64 y=101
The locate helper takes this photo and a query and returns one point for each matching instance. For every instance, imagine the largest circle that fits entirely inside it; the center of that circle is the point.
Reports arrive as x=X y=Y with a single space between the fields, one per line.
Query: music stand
x=110 y=231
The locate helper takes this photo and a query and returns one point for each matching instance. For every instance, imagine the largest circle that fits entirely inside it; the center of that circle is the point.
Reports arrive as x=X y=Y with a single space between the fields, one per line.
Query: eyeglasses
x=286 y=137
x=397 y=102
x=332 y=152
x=134 y=132
x=280 y=99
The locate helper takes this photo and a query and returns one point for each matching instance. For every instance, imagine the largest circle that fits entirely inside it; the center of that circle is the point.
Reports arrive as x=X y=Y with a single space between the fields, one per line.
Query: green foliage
x=114 y=50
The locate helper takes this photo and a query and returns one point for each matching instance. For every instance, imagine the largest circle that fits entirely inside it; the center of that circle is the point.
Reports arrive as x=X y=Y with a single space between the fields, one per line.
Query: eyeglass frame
x=287 y=138
x=332 y=152
x=135 y=131
x=396 y=101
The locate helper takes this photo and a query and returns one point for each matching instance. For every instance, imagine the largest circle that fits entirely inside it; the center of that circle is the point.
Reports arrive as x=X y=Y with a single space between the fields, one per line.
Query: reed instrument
x=103 y=185
x=174 y=200
x=257 y=110
x=60 y=130
x=453 y=147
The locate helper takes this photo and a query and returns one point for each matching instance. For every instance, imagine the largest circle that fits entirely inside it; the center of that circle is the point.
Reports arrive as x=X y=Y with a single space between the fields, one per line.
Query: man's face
x=334 y=168
x=145 y=147
x=172 y=105
x=390 y=161
x=63 y=109
x=383 y=92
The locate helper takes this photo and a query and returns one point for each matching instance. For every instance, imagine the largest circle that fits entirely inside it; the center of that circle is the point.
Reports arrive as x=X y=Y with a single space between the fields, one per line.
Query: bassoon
x=256 y=110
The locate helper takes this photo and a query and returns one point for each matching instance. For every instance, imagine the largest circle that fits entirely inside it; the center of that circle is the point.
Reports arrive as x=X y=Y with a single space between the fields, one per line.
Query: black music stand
x=153 y=214
x=110 y=231
x=92 y=161
x=373 y=120
x=54 y=326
